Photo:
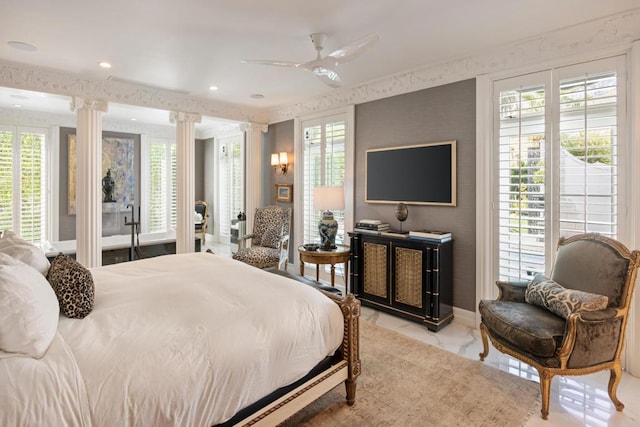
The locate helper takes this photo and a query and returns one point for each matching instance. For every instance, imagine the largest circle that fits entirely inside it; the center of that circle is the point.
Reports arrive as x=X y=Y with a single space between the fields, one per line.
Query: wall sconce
x=280 y=162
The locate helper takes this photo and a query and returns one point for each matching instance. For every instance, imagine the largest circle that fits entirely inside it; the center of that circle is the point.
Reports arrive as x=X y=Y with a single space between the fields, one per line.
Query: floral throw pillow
x=561 y=301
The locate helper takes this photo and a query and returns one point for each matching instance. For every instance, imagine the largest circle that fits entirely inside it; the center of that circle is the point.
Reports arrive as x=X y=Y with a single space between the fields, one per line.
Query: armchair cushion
x=561 y=301
x=258 y=256
x=529 y=328
x=271 y=237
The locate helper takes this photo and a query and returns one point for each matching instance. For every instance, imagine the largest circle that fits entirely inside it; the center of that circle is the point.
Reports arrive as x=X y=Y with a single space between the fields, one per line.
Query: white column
x=185 y=185
x=89 y=180
x=253 y=171
x=632 y=347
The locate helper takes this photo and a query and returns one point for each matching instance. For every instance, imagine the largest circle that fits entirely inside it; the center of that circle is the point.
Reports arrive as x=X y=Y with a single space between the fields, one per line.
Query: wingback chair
x=573 y=323
x=269 y=239
x=202 y=208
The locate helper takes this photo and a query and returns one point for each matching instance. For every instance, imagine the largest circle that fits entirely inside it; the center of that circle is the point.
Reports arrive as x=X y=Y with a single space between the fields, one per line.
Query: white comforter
x=176 y=340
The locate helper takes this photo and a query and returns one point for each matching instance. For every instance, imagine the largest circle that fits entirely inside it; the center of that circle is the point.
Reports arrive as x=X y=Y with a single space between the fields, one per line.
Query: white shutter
x=324 y=165
x=230 y=181
x=6 y=179
x=157 y=187
x=33 y=206
x=557 y=173
x=160 y=185
x=173 y=194
x=588 y=154
x=521 y=182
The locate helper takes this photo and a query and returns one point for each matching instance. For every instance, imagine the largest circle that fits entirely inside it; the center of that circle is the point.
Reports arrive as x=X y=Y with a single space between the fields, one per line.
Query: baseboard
x=464 y=317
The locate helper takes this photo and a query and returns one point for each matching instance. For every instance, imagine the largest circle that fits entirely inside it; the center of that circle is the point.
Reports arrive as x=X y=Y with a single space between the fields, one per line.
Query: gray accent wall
x=280 y=137
x=441 y=113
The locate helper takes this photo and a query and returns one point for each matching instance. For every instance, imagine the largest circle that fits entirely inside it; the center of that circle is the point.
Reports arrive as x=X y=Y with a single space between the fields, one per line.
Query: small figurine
x=108 y=185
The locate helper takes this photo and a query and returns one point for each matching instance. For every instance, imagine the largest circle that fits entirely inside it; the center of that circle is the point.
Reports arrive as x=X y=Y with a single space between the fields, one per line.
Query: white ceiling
x=189 y=45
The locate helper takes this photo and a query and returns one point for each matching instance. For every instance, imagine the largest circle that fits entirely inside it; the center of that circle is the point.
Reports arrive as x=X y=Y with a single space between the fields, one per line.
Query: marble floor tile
x=575 y=401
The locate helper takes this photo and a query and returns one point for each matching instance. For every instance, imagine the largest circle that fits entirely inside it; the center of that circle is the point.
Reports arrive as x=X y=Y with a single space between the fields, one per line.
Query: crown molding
x=20 y=76
x=592 y=36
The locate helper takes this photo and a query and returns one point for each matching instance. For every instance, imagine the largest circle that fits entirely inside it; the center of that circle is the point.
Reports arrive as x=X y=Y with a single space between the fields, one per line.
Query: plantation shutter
x=23 y=194
x=324 y=153
x=588 y=155
x=557 y=173
x=158 y=180
x=6 y=179
x=161 y=186
x=33 y=206
x=521 y=169
x=231 y=180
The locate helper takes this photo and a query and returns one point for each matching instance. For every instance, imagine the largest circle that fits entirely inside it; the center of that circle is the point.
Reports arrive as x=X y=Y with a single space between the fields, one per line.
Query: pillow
x=561 y=301
x=13 y=245
x=29 y=310
x=271 y=238
x=73 y=285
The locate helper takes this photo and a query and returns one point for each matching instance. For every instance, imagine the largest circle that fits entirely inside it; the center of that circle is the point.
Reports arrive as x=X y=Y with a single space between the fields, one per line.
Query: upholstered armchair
x=202 y=209
x=269 y=239
x=573 y=323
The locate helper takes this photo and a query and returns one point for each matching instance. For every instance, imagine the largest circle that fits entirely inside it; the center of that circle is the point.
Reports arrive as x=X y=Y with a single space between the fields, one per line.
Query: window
x=159 y=185
x=230 y=181
x=558 y=154
x=23 y=183
x=324 y=165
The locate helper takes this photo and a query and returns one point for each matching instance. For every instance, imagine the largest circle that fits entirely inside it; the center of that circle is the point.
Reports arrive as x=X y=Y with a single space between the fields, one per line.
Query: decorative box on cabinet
x=407 y=277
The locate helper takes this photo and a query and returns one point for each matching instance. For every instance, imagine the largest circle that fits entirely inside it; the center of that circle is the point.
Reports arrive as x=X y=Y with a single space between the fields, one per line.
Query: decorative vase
x=328 y=228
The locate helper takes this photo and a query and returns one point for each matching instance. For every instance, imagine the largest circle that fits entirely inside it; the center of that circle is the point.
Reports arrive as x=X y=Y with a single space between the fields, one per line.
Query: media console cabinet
x=407 y=277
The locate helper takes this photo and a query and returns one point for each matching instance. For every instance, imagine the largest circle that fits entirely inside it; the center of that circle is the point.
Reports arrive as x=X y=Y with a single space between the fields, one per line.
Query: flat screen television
x=423 y=174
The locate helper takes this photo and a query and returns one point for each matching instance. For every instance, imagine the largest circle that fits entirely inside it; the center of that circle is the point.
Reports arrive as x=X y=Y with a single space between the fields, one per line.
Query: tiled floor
x=575 y=401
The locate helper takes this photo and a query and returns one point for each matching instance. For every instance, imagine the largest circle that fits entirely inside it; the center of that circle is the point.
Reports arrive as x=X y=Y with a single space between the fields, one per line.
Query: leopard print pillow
x=73 y=285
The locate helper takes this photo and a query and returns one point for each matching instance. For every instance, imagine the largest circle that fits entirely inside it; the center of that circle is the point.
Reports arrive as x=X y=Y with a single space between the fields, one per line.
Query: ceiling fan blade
x=349 y=52
x=327 y=76
x=270 y=62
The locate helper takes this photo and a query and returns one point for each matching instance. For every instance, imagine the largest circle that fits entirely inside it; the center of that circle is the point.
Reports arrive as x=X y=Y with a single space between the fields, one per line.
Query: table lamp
x=326 y=199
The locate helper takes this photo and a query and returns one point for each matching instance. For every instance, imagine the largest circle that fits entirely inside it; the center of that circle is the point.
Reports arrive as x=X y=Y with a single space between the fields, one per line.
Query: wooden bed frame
x=346 y=370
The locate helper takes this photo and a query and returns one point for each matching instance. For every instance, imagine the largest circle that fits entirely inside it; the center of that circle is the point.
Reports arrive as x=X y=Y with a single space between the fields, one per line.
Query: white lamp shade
x=274 y=159
x=328 y=198
x=284 y=159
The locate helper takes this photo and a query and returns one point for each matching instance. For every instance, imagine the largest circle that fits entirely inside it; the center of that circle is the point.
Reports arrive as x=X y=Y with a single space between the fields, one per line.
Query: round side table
x=335 y=256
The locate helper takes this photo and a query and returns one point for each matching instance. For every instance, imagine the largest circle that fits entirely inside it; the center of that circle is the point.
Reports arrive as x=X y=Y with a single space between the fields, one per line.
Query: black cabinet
x=407 y=277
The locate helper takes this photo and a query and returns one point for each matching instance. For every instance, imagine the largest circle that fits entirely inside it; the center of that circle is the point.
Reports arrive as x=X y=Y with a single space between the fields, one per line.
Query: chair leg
x=485 y=343
x=545 y=389
x=614 y=380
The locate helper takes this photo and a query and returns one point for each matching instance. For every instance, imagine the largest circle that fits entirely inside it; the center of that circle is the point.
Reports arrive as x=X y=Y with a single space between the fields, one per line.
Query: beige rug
x=408 y=383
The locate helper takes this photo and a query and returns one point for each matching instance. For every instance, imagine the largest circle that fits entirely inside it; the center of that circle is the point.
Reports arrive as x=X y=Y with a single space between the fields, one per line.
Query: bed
x=190 y=339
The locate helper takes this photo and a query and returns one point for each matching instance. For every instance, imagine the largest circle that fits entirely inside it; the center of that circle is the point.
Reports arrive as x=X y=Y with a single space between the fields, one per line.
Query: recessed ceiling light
x=104 y=64
x=213 y=88
x=17 y=105
x=22 y=46
x=256 y=96
x=133 y=119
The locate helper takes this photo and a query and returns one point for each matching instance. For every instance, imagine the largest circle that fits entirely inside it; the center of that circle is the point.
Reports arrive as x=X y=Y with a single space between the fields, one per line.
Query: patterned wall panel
x=375 y=269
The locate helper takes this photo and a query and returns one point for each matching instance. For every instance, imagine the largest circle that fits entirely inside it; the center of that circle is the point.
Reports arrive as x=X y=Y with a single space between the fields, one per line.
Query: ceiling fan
x=324 y=67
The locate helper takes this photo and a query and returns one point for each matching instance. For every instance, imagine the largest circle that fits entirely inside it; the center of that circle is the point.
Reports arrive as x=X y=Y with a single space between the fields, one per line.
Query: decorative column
x=185 y=185
x=88 y=180
x=253 y=171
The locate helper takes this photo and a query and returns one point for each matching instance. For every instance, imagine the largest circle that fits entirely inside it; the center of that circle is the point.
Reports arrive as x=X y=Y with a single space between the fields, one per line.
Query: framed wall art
x=284 y=193
x=117 y=162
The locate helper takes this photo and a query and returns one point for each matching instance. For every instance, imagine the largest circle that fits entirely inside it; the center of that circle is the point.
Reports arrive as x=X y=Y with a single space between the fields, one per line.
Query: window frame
x=50 y=186
x=348 y=113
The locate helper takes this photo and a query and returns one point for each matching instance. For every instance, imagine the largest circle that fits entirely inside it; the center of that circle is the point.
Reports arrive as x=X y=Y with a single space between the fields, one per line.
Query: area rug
x=408 y=383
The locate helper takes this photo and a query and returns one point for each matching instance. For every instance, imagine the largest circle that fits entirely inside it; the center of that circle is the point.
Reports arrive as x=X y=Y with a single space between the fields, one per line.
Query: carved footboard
x=346 y=370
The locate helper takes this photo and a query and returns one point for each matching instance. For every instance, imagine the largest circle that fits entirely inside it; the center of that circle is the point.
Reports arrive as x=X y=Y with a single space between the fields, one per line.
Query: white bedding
x=176 y=340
